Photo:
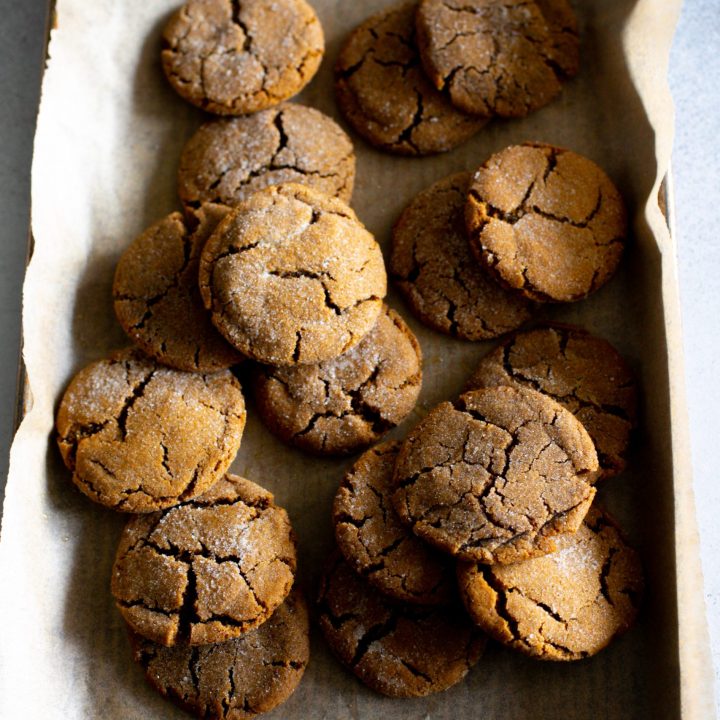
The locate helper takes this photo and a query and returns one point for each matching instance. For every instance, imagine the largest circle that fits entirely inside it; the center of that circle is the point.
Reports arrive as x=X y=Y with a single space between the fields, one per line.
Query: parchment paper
x=108 y=139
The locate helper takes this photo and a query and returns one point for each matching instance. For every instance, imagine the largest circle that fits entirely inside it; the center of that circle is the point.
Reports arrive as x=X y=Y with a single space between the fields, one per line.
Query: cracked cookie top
x=564 y=606
x=156 y=296
x=233 y=57
x=345 y=404
x=546 y=222
x=585 y=374
x=383 y=93
x=498 y=57
x=432 y=264
x=140 y=437
x=493 y=476
x=292 y=276
x=237 y=679
x=227 y=160
x=397 y=649
x=377 y=545
x=206 y=570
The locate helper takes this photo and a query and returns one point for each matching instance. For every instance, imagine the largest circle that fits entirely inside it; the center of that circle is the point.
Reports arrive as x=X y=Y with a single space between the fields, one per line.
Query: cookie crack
x=406 y=135
x=500 y=605
x=373 y=634
x=416 y=671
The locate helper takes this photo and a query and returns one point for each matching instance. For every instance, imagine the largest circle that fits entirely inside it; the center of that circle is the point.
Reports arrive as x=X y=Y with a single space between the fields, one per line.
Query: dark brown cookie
x=546 y=222
x=233 y=57
x=585 y=374
x=433 y=266
x=498 y=57
x=227 y=160
x=495 y=475
x=377 y=545
x=140 y=437
x=237 y=679
x=207 y=570
x=383 y=93
x=564 y=606
x=345 y=404
x=397 y=649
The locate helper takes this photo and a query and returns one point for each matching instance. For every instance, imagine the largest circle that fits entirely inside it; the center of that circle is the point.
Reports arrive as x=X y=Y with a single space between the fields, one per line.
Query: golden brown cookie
x=432 y=264
x=546 y=222
x=397 y=649
x=564 y=606
x=237 y=679
x=383 y=93
x=233 y=57
x=156 y=297
x=140 y=437
x=493 y=476
x=585 y=374
x=292 y=276
x=377 y=545
x=498 y=57
x=207 y=570
x=227 y=160
x=345 y=404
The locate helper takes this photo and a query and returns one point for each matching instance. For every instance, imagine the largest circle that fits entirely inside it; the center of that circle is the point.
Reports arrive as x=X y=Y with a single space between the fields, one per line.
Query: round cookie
x=345 y=404
x=237 y=679
x=227 y=160
x=140 y=437
x=383 y=93
x=233 y=57
x=292 y=276
x=432 y=265
x=207 y=570
x=156 y=297
x=397 y=649
x=498 y=57
x=585 y=374
x=546 y=222
x=377 y=545
x=564 y=606
x=493 y=476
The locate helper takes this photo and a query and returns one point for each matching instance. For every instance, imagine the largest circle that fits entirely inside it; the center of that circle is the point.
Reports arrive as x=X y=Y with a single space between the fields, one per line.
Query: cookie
x=564 y=606
x=292 y=276
x=377 y=545
x=396 y=649
x=140 y=437
x=207 y=570
x=345 y=404
x=232 y=57
x=498 y=57
x=494 y=475
x=156 y=297
x=546 y=222
x=237 y=679
x=432 y=265
x=227 y=160
x=585 y=374
x=383 y=93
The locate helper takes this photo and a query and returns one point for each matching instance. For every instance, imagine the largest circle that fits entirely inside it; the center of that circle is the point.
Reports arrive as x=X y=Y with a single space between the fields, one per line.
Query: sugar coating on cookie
x=383 y=93
x=494 y=475
x=233 y=57
x=567 y=605
x=546 y=222
x=227 y=160
x=498 y=57
x=397 y=649
x=345 y=404
x=432 y=265
x=292 y=276
x=377 y=545
x=584 y=373
x=206 y=570
x=240 y=678
x=140 y=437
